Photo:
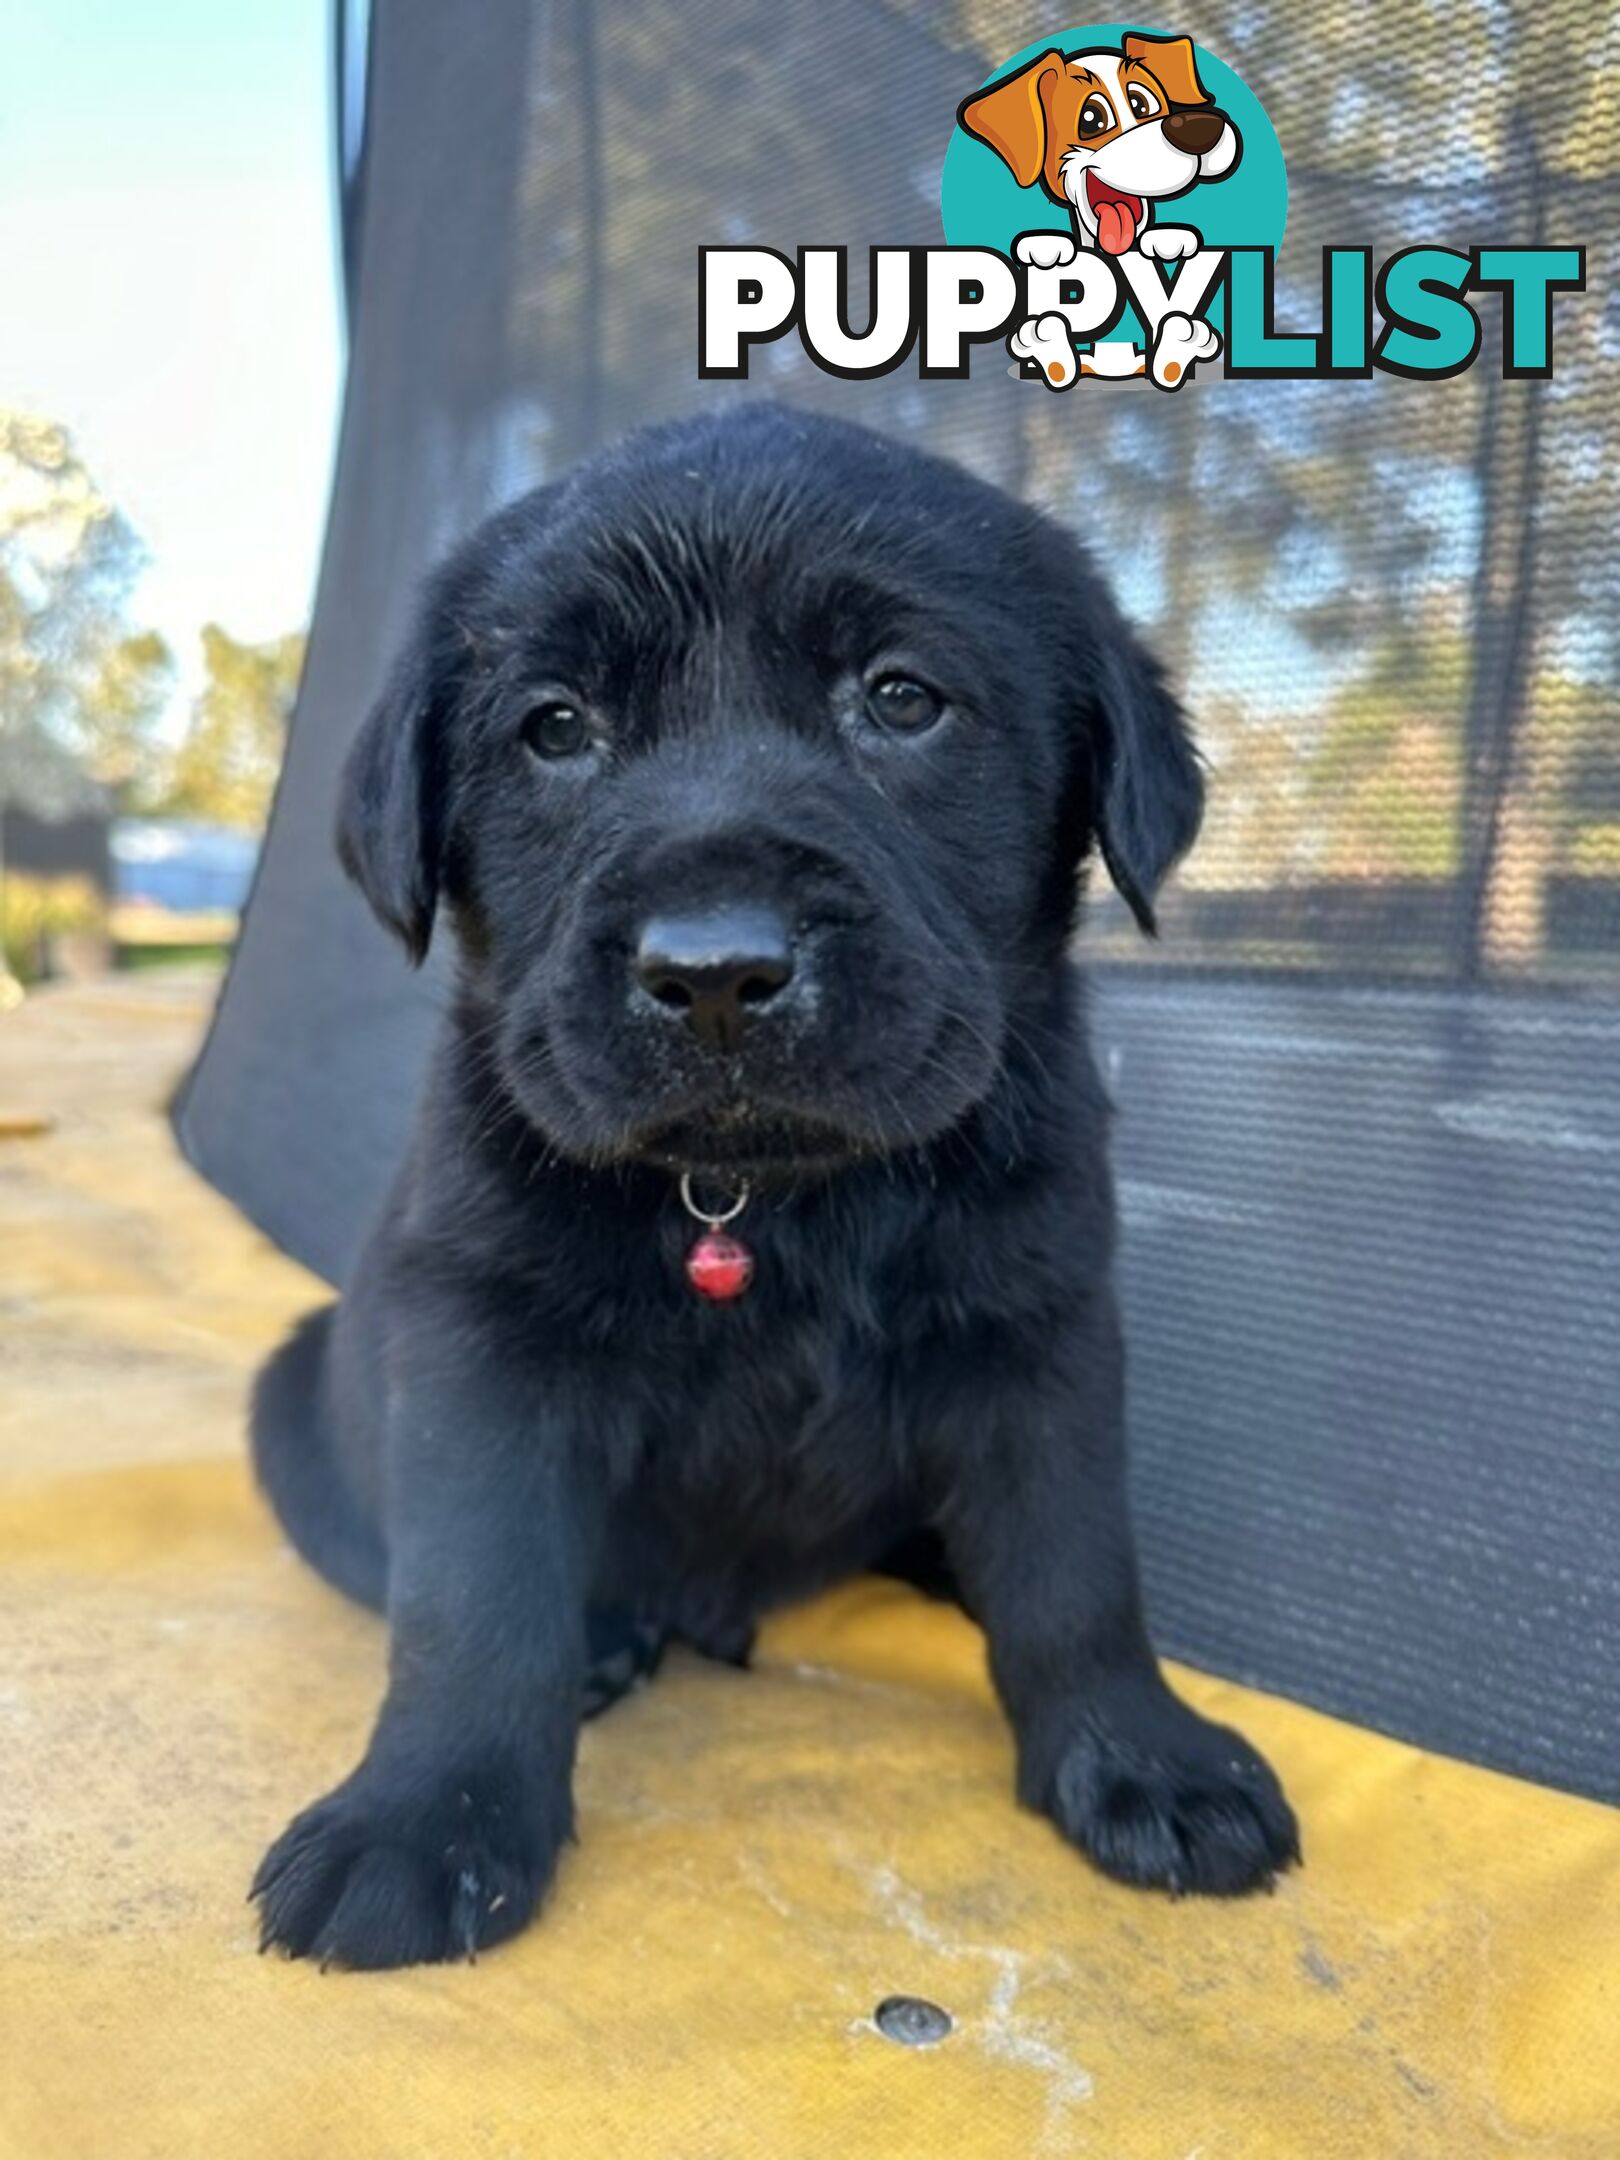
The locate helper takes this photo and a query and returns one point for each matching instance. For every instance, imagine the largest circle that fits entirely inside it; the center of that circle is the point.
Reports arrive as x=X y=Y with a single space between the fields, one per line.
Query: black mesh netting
x=1371 y=1134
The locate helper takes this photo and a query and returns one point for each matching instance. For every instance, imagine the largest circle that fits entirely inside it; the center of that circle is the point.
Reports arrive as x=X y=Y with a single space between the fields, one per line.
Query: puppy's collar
x=718 y=1267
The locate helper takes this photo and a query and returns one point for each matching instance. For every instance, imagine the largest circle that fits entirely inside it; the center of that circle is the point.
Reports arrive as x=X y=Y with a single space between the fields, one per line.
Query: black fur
x=522 y=1431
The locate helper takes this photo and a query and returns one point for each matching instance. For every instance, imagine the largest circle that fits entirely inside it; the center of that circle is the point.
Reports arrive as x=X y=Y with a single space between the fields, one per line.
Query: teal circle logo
x=1114 y=133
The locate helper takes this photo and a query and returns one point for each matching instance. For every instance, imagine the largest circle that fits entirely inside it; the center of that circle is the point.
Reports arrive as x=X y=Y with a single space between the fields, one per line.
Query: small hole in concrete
x=912 y=2021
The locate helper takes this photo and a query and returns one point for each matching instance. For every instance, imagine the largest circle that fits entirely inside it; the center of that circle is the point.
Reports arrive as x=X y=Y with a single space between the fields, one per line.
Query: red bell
x=719 y=1267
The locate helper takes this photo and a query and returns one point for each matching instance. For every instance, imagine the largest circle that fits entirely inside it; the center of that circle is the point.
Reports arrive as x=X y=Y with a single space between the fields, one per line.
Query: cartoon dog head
x=1107 y=134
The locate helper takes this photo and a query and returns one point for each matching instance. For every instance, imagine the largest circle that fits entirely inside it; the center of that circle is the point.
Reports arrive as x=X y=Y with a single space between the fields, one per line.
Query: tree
x=225 y=769
x=116 y=721
x=80 y=689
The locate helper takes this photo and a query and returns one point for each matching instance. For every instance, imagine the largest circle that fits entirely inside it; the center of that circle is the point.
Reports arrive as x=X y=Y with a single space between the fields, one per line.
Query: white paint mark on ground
x=852 y=1683
x=760 y=1882
x=1026 y=2044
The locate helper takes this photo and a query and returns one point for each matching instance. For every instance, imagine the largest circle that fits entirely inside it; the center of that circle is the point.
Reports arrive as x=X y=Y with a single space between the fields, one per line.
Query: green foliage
x=83 y=691
x=225 y=769
x=1383 y=780
x=80 y=690
x=33 y=909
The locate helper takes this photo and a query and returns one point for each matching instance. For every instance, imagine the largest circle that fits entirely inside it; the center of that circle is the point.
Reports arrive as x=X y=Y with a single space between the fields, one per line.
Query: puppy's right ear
x=1174 y=62
x=1011 y=117
x=392 y=798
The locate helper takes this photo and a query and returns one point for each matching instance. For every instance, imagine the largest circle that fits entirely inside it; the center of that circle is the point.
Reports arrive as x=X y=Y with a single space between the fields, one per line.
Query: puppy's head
x=754 y=764
x=1107 y=134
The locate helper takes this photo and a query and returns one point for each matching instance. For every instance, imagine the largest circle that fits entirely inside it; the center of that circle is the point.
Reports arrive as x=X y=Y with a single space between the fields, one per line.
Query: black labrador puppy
x=757 y=1221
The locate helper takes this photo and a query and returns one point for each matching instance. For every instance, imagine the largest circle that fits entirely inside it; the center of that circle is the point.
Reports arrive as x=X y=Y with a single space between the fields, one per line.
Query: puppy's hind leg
x=292 y=1455
x=624 y=1653
x=621 y=1653
x=921 y=1560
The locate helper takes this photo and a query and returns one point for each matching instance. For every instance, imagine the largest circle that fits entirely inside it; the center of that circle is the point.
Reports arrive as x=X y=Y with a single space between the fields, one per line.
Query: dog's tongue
x=1116 y=226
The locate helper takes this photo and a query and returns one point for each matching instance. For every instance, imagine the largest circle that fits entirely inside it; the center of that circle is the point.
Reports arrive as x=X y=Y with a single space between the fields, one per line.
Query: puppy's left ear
x=1148 y=788
x=392 y=800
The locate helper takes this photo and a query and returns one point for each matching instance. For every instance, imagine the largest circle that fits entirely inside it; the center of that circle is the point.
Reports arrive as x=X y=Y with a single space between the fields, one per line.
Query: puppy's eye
x=557 y=730
x=1096 y=117
x=1142 y=102
x=902 y=704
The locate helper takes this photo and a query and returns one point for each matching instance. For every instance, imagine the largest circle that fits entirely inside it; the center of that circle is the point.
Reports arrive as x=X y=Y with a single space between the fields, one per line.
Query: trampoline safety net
x=1370 y=1130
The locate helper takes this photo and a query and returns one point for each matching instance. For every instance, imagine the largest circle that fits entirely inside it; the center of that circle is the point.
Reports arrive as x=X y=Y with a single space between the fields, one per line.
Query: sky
x=169 y=285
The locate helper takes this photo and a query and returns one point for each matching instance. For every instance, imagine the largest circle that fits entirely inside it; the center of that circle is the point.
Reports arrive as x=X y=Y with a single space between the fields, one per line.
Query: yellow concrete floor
x=763 y=1856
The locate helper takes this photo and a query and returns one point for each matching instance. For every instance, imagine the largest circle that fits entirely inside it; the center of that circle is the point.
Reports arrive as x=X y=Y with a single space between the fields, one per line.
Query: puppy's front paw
x=1159 y=1797
x=386 y=1872
x=1045 y=250
x=1169 y=243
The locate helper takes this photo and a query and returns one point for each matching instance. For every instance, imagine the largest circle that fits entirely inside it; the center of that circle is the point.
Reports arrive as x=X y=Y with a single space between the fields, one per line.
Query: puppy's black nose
x=716 y=970
x=1195 y=132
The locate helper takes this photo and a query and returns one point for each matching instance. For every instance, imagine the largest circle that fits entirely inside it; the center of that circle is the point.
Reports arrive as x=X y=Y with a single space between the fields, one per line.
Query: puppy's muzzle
x=717 y=972
x=1196 y=133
